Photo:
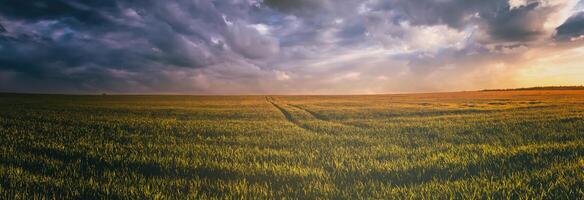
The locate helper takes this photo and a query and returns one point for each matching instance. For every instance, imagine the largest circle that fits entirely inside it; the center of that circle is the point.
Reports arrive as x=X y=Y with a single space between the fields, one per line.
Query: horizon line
x=568 y=87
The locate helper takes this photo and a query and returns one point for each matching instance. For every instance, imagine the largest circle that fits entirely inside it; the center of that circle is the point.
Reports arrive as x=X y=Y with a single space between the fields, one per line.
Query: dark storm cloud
x=296 y=6
x=453 y=13
x=83 y=11
x=314 y=8
x=572 y=28
x=497 y=17
x=70 y=40
x=94 y=45
x=524 y=23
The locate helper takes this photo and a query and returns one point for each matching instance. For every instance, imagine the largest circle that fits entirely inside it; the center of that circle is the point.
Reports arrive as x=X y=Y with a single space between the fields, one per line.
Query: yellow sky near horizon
x=552 y=67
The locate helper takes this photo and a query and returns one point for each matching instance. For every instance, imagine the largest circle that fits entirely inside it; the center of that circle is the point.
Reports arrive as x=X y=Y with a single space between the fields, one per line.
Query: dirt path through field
x=286 y=113
x=309 y=120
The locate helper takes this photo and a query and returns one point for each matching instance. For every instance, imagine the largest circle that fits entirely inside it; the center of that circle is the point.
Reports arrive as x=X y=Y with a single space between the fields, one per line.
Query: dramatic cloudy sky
x=288 y=46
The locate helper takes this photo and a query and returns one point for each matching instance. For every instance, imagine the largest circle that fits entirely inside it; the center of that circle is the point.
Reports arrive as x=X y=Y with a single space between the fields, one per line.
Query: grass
x=467 y=145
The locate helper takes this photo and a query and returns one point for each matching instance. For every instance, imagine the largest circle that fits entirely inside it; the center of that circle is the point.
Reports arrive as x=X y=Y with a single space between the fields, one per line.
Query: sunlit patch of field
x=498 y=144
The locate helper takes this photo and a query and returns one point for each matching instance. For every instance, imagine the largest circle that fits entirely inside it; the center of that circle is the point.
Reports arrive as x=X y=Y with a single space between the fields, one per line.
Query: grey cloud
x=496 y=18
x=68 y=40
x=313 y=8
x=249 y=43
x=572 y=28
x=89 y=12
x=294 y=5
x=184 y=45
x=524 y=23
x=430 y=12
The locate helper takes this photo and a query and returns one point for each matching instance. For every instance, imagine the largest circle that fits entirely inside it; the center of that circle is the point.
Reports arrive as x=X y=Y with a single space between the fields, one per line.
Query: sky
x=288 y=46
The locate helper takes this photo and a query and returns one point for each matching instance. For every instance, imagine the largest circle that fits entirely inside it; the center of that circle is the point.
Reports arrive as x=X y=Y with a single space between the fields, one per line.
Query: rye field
x=462 y=145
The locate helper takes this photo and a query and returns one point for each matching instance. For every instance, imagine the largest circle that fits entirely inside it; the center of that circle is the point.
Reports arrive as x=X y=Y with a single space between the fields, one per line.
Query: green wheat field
x=462 y=145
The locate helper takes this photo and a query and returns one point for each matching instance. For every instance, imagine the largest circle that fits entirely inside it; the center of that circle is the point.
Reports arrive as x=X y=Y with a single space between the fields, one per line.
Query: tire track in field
x=316 y=116
x=286 y=114
x=293 y=120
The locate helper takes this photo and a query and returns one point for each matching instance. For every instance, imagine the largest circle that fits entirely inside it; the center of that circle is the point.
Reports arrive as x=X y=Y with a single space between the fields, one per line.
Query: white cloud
x=517 y=3
x=261 y=28
x=281 y=76
x=431 y=38
x=350 y=76
x=227 y=21
x=382 y=78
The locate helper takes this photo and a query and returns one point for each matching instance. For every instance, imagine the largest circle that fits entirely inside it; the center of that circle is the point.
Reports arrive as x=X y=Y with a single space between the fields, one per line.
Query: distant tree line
x=539 y=88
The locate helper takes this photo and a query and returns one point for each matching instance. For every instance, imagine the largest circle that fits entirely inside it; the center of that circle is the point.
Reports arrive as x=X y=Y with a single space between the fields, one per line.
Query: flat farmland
x=467 y=145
